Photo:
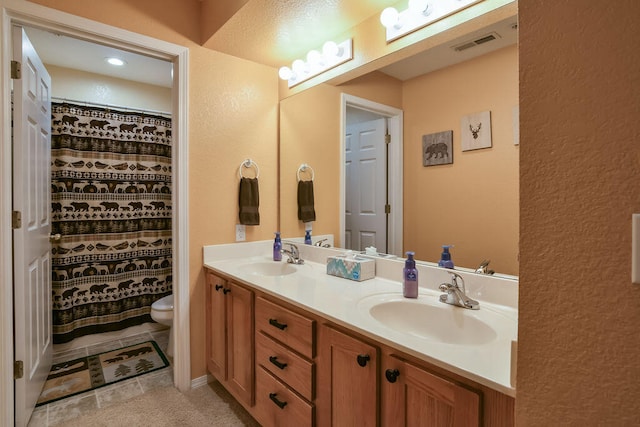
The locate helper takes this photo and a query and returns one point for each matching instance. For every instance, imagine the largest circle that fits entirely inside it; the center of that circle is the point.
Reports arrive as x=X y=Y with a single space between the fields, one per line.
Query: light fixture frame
x=411 y=21
x=332 y=62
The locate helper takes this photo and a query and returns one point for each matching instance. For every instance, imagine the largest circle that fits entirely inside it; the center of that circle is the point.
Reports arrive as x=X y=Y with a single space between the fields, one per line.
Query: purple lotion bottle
x=277 y=247
x=410 y=276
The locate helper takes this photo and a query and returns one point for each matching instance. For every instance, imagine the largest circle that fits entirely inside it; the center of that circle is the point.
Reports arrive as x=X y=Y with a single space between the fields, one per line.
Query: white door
x=366 y=182
x=32 y=250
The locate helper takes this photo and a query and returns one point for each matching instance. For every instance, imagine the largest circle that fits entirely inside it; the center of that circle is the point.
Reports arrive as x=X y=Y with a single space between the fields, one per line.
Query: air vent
x=472 y=43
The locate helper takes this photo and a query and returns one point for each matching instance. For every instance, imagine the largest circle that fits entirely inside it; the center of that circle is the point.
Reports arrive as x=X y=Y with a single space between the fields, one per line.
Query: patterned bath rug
x=86 y=373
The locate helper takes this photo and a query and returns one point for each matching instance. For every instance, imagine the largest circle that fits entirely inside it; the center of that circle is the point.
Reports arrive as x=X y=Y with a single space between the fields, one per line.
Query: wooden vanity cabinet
x=230 y=338
x=285 y=367
x=347 y=380
x=290 y=367
x=412 y=395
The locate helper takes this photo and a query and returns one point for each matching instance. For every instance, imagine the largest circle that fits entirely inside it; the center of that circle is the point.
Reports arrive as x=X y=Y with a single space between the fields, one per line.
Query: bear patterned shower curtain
x=111 y=204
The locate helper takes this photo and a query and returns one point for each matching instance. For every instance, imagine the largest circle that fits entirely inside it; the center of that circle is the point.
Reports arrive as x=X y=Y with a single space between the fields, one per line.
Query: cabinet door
x=347 y=380
x=216 y=318
x=411 y=396
x=240 y=347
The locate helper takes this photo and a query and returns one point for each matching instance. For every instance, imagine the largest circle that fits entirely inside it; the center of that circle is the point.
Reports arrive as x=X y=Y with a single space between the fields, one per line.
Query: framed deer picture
x=437 y=148
x=476 y=131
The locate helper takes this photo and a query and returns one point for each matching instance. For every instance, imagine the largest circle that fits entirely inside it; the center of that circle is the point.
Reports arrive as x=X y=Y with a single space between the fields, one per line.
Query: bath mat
x=90 y=372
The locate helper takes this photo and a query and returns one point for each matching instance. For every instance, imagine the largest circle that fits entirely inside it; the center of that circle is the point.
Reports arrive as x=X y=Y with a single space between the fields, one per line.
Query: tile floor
x=57 y=412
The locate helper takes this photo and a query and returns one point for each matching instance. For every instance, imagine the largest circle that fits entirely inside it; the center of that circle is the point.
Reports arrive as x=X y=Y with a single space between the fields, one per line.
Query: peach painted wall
x=233 y=114
x=310 y=133
x=472 y=203
x=579 y=314
x=89 y=87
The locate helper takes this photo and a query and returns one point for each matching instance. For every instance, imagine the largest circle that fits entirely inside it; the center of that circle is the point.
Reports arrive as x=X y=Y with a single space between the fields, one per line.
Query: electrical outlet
x=241 y=234
x=635 y=249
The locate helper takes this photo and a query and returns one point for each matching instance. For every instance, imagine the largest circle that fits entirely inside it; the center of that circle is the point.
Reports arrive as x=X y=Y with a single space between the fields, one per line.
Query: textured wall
x=580 y=172
x=472 y=203
x=232 y=116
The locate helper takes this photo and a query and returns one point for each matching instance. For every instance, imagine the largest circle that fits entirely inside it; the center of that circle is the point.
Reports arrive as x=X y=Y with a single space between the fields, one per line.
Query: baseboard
x=200 y=381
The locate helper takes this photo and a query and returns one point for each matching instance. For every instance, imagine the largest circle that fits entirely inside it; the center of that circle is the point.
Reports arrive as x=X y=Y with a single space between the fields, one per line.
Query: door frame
x=29 y=14
x=395 y=120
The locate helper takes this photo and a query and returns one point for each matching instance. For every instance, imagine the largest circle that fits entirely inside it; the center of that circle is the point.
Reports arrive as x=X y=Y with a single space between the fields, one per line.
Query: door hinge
x=18 y=369
x=16 y=219
x=387 y=209
x=16 y=70
x=387 y=139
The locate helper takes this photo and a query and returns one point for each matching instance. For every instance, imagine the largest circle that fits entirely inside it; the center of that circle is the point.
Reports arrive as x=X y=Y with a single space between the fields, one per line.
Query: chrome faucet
x=293 y=253
x=320 y=244
x=455 y=295
x=483 y=268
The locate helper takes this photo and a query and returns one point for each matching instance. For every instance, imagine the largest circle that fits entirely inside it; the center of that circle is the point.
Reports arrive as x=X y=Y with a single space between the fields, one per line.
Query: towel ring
x=303 y=167
x=247 y=164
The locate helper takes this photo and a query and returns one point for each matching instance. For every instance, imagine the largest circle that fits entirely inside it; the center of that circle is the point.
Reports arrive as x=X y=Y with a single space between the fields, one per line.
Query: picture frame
x=476 y=131
x=437 y=148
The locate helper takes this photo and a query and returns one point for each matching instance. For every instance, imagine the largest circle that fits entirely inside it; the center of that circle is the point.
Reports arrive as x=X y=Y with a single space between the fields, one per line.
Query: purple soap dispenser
x=277 y=247
x=410 y=276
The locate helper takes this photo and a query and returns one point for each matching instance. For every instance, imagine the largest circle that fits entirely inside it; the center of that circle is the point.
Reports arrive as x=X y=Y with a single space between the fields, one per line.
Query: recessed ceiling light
x=116 y=61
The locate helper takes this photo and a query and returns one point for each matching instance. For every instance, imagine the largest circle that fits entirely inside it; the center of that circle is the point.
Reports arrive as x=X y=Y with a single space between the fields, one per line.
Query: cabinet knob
x=218 y=287
x=363 y=359
x=274 y=399
x=226 y=291
x=281 y=326
x=274 y=360
x=392 y=375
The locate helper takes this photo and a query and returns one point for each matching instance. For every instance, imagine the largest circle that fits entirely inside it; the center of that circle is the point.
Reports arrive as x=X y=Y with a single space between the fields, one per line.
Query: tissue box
x=357 y=268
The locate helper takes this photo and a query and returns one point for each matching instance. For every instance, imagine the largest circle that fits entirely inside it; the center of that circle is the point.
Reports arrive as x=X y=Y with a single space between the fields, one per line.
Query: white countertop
x=347 y=302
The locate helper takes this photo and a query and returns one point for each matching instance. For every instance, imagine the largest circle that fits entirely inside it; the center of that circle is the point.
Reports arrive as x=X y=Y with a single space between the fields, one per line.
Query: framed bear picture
x=437 y=148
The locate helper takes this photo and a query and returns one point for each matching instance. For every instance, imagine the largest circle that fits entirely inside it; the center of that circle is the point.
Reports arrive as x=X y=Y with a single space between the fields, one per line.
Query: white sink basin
x=429 y=319
x=270 y=268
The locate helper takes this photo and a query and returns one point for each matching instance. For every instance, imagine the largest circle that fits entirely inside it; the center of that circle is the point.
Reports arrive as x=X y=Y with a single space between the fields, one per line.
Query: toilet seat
x=163 y=304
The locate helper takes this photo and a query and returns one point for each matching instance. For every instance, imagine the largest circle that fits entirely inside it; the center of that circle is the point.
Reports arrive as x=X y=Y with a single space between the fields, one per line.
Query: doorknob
x=55 y=237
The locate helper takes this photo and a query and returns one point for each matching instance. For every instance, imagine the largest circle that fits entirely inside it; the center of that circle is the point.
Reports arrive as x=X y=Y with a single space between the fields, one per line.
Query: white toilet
x=162 y=312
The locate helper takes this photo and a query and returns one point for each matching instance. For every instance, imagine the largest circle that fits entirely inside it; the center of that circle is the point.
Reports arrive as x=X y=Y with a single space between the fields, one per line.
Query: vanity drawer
x=290 y=328
x=276 y=405
x=286 y=365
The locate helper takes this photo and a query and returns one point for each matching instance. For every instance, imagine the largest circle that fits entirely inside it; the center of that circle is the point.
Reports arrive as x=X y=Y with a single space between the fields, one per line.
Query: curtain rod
x=116 y=107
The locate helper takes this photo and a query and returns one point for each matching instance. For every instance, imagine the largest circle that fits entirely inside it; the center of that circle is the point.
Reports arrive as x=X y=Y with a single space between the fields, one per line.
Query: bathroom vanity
x=298 y=347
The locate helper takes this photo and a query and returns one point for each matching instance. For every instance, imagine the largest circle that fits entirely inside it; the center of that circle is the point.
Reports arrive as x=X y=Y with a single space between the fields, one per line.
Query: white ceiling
x=81 y=55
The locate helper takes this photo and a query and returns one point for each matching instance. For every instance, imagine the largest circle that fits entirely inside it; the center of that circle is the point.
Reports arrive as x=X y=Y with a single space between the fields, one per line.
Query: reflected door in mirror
x=366 y=189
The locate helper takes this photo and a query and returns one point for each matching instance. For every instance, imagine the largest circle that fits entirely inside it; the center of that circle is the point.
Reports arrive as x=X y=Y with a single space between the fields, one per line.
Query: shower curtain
x=111 y=204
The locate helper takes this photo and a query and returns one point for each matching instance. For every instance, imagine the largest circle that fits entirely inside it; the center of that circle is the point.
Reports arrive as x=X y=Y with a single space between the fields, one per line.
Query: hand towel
x=248 y=201
x=306 y=211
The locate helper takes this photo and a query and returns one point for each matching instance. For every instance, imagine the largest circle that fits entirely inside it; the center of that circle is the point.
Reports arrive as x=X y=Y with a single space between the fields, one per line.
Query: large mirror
x=462 y=193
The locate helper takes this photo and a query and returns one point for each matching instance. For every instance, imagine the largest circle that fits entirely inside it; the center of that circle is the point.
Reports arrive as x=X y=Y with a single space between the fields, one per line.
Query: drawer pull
x=281 y=326
x=275 y=400
x=363 y=359
x=392 y=375
x=274 y=360
x=226 y=291
x=218 y=287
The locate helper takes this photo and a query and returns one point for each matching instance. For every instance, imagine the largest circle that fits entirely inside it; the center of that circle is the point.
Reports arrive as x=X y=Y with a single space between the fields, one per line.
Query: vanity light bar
x=419 y=14
x=332 y=55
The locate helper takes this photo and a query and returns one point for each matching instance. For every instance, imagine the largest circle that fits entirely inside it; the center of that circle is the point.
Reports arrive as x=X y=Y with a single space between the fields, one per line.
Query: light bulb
x=285 y=73
x=330 y=49
x=315 y=58
x=389 y=17
x=300 y=67
x=116 y=61
x=420 y=7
